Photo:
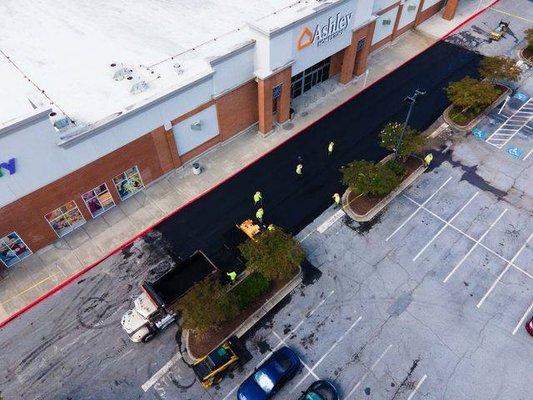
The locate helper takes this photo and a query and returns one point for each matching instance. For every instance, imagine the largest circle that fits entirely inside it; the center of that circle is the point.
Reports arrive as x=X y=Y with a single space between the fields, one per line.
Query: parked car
x=320 y=390
x=529 y=326
x=270 y=376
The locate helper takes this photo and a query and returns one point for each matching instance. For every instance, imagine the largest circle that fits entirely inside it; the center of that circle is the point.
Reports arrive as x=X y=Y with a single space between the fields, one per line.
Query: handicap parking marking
x=479 y=134
x=516 y=152
x=521 y=96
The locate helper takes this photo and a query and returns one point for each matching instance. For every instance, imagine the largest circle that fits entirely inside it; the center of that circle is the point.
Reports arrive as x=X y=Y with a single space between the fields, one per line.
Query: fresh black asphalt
x=71 y=346
x=292 y=201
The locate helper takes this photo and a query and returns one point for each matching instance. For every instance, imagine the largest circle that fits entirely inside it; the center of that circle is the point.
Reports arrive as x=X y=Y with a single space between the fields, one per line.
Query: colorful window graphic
x=13 y=249
x=128 y=183
x=65 y=219
x=98 y=200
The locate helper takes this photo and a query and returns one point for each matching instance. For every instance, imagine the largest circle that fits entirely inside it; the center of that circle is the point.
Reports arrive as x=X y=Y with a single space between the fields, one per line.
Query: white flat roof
x=66 y=48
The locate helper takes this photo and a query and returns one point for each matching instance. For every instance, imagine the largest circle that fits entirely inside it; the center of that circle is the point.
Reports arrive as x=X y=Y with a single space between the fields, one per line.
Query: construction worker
x=299 y=169
x=428 y=159
x=258 y=197
x=331 y=145
x=271 y=227
x=259 y=214
x=336 y=198
x=232 y=276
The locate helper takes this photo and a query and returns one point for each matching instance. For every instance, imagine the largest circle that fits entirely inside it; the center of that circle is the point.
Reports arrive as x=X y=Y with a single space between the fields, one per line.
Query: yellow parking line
x=28 y=289
x=512 y=15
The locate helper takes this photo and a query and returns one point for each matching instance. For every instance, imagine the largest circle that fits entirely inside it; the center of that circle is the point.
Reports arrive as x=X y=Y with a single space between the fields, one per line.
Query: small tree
x=412 y=141
x=529 y=38
x=471 y=94
x=275 y=254
x=499 y=68
x=205 y=306
x=367 y=178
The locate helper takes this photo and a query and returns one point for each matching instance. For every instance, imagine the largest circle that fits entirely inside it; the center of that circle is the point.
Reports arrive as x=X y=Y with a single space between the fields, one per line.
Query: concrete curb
x=522 y=57
x=251 y=320
x=383 y=203
x=475 y=121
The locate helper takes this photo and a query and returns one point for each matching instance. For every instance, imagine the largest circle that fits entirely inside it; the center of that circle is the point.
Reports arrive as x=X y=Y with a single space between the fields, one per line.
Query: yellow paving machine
x=500 y=31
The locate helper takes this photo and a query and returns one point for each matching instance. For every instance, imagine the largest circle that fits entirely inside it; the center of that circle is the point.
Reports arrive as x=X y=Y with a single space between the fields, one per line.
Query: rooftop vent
x=60 y=121
x=139 y=87
x=120 y=72
x=179 y=70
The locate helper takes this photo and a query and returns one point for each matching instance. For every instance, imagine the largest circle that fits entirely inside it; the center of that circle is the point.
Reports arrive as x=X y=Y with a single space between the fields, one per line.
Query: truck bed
x=172 y=285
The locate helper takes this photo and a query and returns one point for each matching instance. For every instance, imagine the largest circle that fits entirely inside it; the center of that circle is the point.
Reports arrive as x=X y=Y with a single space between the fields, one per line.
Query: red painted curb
x=164 y=218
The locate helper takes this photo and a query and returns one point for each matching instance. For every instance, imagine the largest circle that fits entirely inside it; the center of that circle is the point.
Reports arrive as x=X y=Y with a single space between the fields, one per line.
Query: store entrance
x=312 y=76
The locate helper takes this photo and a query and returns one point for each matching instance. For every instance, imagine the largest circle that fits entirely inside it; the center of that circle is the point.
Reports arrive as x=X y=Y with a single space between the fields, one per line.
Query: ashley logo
x=325 y=33
x=8 y=166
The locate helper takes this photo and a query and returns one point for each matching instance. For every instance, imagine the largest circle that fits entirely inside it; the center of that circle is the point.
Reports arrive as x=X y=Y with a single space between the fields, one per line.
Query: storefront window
x=65 y=219
x=98 y=200
x=128 y=183
x=13 y=249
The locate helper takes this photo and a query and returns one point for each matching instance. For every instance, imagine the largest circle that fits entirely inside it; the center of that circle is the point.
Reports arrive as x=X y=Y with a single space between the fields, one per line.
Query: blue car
x=270 y=376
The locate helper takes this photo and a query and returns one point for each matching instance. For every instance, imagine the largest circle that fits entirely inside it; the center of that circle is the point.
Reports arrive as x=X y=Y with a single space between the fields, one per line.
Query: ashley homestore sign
x=324 y=33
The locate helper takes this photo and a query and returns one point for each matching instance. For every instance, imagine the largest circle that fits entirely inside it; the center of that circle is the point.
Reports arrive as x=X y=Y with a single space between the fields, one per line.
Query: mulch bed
x=200 y=346
x=363 y=204
x=528 y=54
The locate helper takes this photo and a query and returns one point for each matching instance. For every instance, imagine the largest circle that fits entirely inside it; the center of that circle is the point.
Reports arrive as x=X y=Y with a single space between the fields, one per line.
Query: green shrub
x=368 y=178
x=412 y=141
x=275 y=254
x=205 y=306
x=398 y=168
x=250 y=289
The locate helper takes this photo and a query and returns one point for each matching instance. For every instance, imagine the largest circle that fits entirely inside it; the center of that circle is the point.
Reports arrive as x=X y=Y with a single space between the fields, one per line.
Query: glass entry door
x=312 y=76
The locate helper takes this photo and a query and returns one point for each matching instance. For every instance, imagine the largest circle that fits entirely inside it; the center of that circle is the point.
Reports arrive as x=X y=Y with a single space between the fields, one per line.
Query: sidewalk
x=50 y=266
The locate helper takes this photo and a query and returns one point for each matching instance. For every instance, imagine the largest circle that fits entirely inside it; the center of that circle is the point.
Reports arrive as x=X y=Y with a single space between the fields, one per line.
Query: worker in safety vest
x=336 y=198
x=259 y=214
x=299 y=169
x=258 y=197
x=428 y=159
x=271 y=227
x=331 y=145
x=232 y=276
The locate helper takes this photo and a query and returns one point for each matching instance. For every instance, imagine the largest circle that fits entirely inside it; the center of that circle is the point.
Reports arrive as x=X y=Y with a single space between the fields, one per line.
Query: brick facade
x=26 y=215
x=265 y=100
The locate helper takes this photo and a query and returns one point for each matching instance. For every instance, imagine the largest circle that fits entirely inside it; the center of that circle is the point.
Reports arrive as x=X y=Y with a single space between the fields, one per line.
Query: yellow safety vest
x=299 y=169
x=257 y=197
x=337 y=198
x=259 y=214
x=330 y=147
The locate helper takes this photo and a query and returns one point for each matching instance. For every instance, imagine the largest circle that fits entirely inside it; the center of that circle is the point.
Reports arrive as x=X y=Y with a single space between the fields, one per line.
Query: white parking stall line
x=528 y=154
x=511 y=123
x=474 y=246
x=302 y=361
x=522 y=319
x=420 y=206
x=368 y=372
x=330 y=221
x=281 y=342
x=159 y=374
x=327 y=353
x=471 y=238
x=420 y=382
x=445 y=226
x=478 y=305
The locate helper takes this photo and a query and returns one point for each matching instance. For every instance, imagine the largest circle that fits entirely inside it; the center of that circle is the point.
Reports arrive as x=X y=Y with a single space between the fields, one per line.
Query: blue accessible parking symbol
x=479 y=133
x=521 y=96
x=516 y=152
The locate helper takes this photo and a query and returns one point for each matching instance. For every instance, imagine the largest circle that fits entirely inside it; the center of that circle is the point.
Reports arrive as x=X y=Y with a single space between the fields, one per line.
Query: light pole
x=411 y=100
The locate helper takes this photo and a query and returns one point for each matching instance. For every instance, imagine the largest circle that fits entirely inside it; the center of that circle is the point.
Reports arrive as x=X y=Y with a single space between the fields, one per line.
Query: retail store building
x=87 y=124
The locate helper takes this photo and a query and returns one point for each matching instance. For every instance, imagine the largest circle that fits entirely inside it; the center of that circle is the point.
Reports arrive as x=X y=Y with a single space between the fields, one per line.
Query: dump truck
x=154 y=309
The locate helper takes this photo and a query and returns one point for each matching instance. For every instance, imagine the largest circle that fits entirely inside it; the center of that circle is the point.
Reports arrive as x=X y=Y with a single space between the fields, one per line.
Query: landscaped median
x=472 y=98
x=212 y=312
x=371 y=186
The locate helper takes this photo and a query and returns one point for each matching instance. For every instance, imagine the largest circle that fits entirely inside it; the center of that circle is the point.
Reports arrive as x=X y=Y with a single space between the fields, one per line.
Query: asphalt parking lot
x=429 y=301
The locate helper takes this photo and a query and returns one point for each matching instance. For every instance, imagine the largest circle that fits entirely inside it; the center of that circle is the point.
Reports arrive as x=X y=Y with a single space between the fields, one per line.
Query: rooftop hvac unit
x=411 y=7
x=386 y=22
x=139 y=87
x=60 y=122
x=121 y=72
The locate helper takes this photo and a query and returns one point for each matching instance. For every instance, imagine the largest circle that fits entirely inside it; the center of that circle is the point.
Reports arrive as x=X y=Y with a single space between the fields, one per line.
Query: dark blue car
x=270 y=376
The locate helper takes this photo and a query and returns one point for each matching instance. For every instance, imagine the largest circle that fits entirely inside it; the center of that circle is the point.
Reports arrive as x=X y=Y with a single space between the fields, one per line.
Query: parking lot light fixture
x=411 y=100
